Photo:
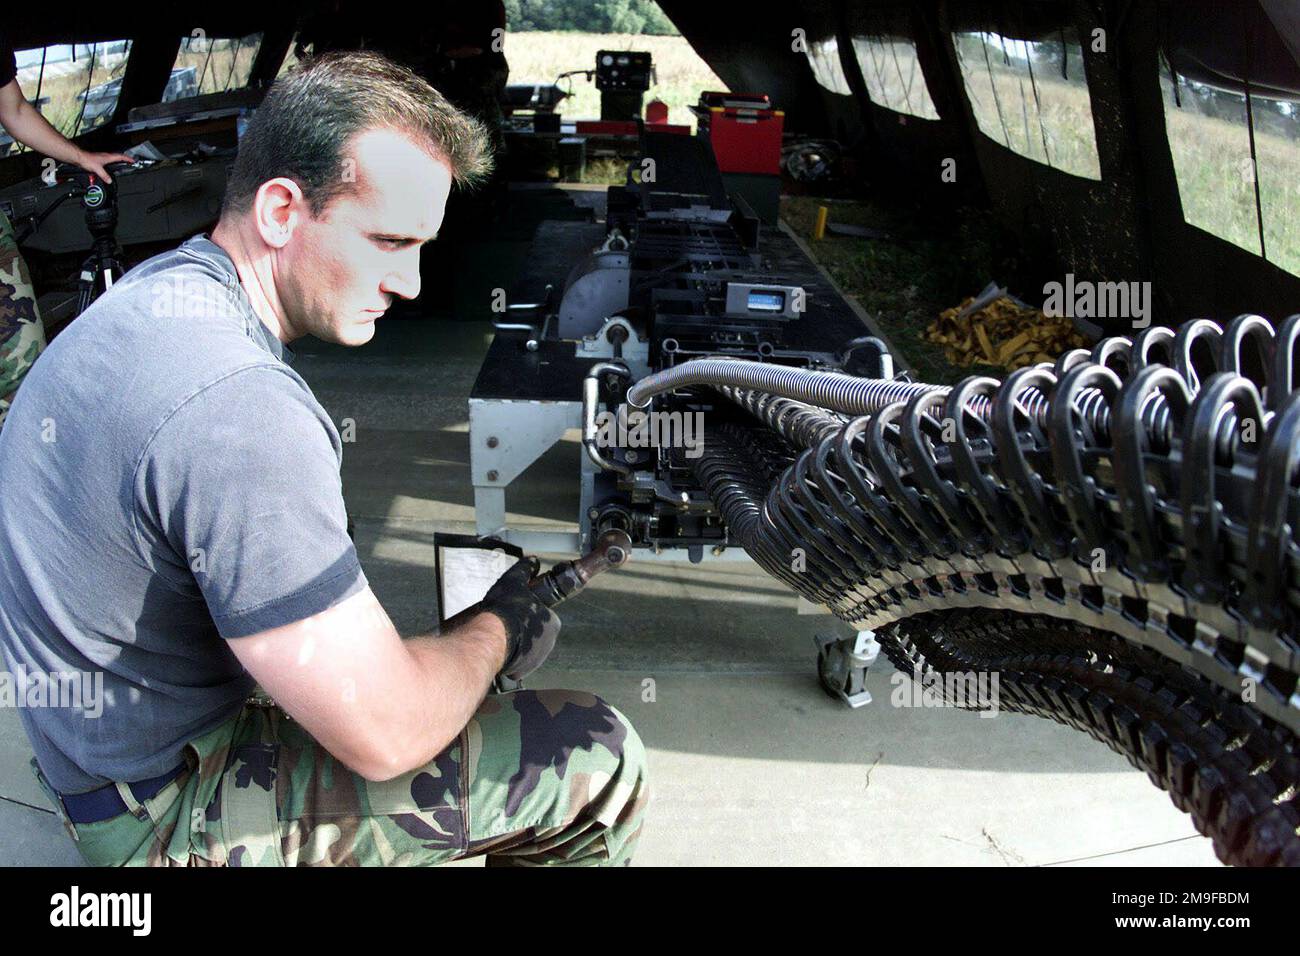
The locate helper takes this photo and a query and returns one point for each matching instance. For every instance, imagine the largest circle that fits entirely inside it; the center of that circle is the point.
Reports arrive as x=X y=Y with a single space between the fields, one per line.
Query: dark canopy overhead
x=1211 y=41
x=1228 y=45
x=84 y=22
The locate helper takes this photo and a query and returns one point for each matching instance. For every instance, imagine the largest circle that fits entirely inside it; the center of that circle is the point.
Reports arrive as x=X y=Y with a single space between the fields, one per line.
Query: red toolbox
x=744 y=129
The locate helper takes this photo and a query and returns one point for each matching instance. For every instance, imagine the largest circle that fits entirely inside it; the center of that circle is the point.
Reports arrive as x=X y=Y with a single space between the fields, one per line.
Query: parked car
x=102 y=99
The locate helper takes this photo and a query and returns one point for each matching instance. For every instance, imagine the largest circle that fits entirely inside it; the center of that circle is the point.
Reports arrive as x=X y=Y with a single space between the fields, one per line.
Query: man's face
x=338 y=273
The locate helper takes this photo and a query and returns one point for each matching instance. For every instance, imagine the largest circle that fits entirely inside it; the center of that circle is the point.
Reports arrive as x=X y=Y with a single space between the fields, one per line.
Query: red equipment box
x=744 y=129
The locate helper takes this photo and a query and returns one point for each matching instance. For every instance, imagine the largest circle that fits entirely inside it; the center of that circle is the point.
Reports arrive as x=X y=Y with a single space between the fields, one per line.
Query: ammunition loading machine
x=677 y=271
x=1108 y=534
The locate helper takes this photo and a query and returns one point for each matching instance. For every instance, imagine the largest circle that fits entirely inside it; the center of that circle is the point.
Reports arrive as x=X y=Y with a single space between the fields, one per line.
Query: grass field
x=893 y=76
x=1048 y=119
x=540 y=56
x=220 y=64
x=61 y=94
x=1216 y=178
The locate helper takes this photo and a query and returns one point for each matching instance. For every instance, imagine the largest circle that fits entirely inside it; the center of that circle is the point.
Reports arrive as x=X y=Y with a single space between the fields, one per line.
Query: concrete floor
x=750 y=762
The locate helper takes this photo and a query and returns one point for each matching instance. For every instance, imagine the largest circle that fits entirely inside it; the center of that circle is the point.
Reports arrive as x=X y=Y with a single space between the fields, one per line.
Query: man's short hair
x=303 y=126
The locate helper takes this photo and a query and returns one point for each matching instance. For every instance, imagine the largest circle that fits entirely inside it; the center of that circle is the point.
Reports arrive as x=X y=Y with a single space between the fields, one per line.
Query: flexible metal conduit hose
x=1186 y=350
x=833 y=390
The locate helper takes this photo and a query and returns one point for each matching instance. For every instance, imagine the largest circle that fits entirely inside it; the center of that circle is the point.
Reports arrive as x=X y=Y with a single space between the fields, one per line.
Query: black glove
x=531 y=626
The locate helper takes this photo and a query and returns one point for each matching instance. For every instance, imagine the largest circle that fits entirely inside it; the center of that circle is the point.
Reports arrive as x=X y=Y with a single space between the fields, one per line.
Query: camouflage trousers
x=22 y=336
x=545 y=777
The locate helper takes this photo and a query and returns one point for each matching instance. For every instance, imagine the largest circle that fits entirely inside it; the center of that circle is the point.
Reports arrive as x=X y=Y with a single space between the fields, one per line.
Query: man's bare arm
x=24 y=123
x=380 y=704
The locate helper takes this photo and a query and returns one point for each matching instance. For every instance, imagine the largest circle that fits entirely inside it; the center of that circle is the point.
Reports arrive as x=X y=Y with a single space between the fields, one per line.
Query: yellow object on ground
x=819 y=229
x=1001 y=334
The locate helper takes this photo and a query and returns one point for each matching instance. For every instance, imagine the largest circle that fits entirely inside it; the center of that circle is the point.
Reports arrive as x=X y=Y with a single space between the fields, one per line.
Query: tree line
x=588 y=16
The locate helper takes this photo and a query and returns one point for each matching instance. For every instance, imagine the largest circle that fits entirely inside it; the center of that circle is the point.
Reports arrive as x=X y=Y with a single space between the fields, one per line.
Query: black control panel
x=622 y=70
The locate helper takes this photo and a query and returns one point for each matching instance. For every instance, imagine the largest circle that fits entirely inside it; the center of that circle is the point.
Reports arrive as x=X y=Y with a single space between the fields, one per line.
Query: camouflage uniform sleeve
x=22 y=335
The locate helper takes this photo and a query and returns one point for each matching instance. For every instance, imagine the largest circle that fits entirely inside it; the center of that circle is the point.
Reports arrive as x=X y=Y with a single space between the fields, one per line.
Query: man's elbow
x=386 y=758
x=377 y=770
x=12 y=104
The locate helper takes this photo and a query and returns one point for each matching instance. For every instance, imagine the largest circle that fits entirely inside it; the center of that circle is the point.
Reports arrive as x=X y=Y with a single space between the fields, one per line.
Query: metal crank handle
x=613 y=549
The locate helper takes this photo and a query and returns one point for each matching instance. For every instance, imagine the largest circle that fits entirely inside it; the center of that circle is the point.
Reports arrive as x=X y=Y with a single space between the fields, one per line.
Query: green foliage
x=592 y=16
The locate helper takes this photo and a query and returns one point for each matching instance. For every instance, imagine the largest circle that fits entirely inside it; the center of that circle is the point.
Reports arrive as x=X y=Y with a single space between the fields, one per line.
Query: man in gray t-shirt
x=173 y=531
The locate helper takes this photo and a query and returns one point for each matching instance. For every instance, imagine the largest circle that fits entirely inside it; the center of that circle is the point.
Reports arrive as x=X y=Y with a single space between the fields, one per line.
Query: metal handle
x=590 y=398
x=612 y=550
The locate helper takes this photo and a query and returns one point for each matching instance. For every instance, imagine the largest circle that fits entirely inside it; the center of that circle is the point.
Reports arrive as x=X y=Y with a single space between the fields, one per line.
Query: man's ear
x=278 y=208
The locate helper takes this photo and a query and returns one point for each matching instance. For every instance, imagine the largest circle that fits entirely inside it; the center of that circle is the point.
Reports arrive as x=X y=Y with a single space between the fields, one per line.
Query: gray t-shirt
x=166 y=481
